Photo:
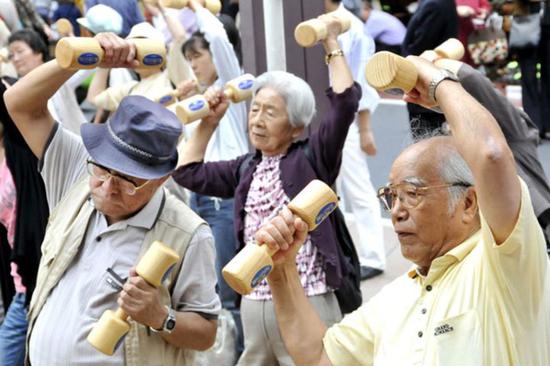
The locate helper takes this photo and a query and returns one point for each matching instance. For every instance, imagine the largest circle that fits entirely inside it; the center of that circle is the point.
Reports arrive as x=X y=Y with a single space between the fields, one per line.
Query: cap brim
x=83 y=22
x=103 y=151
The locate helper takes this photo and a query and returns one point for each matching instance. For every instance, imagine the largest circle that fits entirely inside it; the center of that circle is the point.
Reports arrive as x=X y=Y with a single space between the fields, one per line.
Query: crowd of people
x=95 y=166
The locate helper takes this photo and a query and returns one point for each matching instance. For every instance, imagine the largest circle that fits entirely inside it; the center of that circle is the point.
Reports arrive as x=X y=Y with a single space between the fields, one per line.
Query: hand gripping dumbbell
x=86 y=53
x=308 y=33
x=213 y=5
x=196 y=107
x=253 y=263
x=386 y=70
x=64 y=27
x=108 y=333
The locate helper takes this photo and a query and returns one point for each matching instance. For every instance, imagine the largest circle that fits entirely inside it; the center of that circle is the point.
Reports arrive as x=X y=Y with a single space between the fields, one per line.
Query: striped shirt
x=265 y=195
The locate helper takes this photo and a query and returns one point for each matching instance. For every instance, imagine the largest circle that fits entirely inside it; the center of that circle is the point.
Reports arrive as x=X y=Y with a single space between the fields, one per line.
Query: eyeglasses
x=409 y=195
x=103 y=174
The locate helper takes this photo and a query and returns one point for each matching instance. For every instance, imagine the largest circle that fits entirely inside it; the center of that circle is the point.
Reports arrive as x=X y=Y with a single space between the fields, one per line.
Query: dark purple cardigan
x=222 y=178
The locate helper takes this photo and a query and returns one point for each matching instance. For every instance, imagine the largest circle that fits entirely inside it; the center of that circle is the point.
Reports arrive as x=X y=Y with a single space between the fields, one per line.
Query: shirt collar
x=145 y=218
x=457 y=254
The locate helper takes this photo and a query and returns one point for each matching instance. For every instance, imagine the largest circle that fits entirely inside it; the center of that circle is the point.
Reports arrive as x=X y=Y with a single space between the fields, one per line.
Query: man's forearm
x=301 y=328
x=483 y=146
x=192 y=331
x=30 y=95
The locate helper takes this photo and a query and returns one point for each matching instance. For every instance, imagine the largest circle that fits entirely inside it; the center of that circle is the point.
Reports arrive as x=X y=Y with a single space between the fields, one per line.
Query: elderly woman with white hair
x=282 y=107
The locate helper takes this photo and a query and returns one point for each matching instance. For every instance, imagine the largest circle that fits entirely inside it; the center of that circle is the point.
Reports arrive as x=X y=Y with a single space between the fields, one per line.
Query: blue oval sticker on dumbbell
x=196 y=105
x=246 y=84
x=88 y=58
x=152 y=59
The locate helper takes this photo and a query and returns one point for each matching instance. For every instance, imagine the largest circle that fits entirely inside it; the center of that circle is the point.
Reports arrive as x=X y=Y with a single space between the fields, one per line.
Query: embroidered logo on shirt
x=442 y=329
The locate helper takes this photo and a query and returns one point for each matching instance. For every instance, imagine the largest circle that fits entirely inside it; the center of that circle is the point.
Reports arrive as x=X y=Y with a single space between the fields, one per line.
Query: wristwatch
x=169 y=323
x=438 y=78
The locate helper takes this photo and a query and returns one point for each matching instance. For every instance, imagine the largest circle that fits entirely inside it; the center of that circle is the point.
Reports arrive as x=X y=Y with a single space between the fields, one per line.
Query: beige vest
x=64 y=235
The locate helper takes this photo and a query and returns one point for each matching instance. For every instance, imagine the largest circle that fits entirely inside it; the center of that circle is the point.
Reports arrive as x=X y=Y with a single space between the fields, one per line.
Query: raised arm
x=27 y=100
x=195 y=148
x=482 y=145
x=223 y=55
x=301 y=327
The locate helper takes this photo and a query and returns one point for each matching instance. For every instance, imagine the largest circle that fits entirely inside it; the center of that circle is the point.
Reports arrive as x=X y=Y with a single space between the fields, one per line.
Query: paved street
x=391 y=130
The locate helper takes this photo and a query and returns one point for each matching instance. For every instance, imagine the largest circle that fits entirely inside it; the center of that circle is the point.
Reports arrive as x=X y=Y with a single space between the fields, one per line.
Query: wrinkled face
x=268 y=126
x=202 y=64
x=114 y=202
x=23 y=58
x=427 y=229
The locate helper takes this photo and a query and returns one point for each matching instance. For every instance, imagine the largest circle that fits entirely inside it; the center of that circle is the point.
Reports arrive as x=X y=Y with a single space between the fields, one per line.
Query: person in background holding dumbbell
x=214 y=53
x=153 y=83
x=353 y=184
x=479 y=293
x=279 y=168
x=108 y=207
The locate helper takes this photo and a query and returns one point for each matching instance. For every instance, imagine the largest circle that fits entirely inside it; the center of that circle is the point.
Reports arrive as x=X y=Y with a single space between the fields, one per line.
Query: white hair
x=297 y=94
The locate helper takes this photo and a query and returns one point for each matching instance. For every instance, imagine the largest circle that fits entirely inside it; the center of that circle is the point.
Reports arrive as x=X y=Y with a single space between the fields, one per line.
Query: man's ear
x=471 y=208
x=297 y=132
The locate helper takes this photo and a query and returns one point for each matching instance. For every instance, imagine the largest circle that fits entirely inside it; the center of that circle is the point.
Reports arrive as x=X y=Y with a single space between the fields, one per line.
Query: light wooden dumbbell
x=308 y=33
x=64 y=27
x=196 y=107
x=108 y=333
x=86 y=53
x=253 y=263
x=213 y=5
x=386 y=71
x=451 y=48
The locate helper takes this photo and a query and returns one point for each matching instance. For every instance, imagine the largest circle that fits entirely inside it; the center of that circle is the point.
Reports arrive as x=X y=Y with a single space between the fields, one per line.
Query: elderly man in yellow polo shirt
x=479 y=292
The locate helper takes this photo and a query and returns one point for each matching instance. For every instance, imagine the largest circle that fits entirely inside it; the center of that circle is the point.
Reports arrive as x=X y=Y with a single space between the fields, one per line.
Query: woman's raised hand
x=218 y=103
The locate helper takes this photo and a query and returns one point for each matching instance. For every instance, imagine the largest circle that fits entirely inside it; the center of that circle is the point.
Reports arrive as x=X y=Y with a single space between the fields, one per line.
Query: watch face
x=170 y=324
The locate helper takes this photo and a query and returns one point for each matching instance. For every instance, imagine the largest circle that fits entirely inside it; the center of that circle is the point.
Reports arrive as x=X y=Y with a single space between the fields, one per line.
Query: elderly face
x=268 y=126
x=111 y=199
x=24 y=59
x=427 y=230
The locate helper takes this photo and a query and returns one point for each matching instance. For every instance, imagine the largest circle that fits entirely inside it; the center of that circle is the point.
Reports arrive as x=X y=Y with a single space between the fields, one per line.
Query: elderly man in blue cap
x=108 y=206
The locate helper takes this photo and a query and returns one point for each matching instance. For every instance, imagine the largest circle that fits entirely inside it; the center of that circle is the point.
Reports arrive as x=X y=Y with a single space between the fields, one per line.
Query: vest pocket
x=458 y=340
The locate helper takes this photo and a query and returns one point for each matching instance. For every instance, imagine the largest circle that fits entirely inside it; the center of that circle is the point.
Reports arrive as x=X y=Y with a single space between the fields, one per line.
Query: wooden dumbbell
x=451 y=48
x=64 y=27
x=108 y=333
x=213 y=5
x=253 y=263
x=86 y=53
x=196 y=107
x=171 y=97
x=386 y=71
x=308 y=33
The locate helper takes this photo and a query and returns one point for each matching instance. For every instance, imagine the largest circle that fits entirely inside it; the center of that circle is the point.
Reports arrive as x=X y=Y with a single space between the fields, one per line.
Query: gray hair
x=297 y=94
x=452 y=167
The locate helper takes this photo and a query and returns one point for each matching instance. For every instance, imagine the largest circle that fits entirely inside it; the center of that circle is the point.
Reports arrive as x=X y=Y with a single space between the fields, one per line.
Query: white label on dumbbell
x=324 y=212
x=246 y=84
x=152 y=59
x=260 y=275
x=88 y=58
x=196 y=105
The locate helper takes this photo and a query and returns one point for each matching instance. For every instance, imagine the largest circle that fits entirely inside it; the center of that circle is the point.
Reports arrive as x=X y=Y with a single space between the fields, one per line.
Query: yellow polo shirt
x=480 y=304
